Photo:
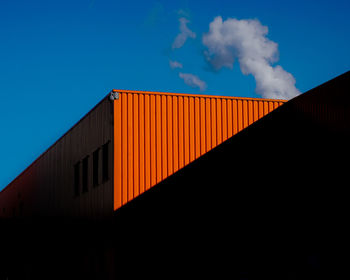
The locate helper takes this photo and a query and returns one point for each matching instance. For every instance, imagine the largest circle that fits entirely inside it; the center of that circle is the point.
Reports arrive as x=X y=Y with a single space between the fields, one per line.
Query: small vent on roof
x=114 y=95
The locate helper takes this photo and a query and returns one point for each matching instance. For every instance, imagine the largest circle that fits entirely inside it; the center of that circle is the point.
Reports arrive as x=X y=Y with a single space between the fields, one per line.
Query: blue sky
x=58 y=58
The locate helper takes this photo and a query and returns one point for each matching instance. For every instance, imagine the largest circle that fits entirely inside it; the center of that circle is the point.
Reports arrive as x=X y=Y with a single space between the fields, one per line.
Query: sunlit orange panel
x=156 y=134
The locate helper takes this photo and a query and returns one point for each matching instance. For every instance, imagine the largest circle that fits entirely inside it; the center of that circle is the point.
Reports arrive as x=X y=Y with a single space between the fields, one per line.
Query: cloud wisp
x=189 y=78
x=175 y=64
x=246 y=41
x=184 y=34
x=193 y=81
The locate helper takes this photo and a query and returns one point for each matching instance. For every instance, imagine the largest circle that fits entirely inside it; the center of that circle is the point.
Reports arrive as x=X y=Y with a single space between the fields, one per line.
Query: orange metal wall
x=156 y=134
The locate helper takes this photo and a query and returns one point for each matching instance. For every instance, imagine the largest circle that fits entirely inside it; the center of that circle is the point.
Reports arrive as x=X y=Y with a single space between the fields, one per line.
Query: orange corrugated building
x=156 y=134
x=262 y=203
x=115 y=153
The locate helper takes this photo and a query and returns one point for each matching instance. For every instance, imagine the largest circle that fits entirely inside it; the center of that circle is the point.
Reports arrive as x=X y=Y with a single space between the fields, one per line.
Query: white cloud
x=193 y=81
x=185 y=33
x=175 y=64
x=246 y=41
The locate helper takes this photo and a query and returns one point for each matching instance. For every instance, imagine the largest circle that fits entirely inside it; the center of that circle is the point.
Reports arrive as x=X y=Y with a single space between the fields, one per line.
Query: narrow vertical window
x=95 y=169
x=105 y=159
x=85 y=174
x=77 y=179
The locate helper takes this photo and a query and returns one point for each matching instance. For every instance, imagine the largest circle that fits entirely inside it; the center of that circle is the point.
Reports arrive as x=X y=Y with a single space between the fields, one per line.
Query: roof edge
x=196 y=95
x=53 y=144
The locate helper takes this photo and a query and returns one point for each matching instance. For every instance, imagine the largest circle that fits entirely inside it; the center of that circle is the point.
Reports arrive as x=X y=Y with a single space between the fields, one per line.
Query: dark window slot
x=105 y=162
x=77 y=179
x=95 y=167
x=85 y=174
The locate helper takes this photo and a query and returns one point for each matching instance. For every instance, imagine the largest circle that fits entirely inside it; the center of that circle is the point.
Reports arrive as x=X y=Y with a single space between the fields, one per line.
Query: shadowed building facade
x=269 y=202
x=128 y=143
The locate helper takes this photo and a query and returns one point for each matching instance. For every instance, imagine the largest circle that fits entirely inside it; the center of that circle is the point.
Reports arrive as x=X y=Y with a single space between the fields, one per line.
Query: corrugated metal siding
x=46 y=187
x=156 y=134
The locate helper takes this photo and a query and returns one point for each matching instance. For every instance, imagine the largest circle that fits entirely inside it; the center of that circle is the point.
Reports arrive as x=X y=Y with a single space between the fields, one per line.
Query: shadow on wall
x=269 y=202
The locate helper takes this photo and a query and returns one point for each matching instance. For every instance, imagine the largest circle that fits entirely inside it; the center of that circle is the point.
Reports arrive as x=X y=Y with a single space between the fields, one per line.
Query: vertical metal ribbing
x=170 y=115
x=203 y=126
x=245 y=113
x=208 y=123
x=156 y=135
x=229 y=119
x=266 y=108
x=255 y=110
x=186 y=132
x=250 y=112
x=213 y=123
x=176 y=132
x=239 y=115
x=125 y=147
x=218 y=121
x=130 y=148
x=164 y=138
x=158 y=138
x=224 y=119
x=136 y=154
x=153 y=146
x=142 y=163
x=234 y=116
x=181 y=132
x=191 y=129
x=118 y=153
x=147 y=143
x=197 y=127
x=261 y=109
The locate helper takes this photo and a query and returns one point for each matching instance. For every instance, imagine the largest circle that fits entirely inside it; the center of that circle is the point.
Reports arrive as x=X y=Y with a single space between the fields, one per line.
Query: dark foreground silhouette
x=269 y=203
